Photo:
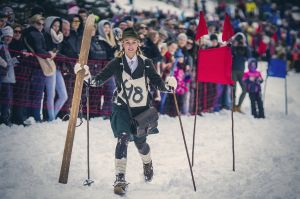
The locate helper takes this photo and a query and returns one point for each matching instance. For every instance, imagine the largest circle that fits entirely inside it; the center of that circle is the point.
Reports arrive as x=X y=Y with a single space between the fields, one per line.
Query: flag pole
x=197 y=100
x=232 y=131
x=201 y=30
x=286 y=105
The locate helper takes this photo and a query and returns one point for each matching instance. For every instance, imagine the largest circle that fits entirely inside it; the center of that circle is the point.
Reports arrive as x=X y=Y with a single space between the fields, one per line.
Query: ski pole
x=88 y=181
x=232 y=130
x=183 y=136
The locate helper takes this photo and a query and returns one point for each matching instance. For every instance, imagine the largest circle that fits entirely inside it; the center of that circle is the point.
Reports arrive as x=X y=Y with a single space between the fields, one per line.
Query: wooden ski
x=83 y=57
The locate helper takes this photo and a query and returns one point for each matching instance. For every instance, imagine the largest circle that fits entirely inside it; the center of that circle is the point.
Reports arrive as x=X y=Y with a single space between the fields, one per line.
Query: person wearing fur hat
x=132 y=72
x=253 y=79
x=54 y=83
x=7 y=77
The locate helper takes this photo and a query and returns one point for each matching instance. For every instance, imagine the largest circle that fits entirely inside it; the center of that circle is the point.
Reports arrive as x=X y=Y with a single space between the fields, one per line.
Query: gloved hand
x=77 y=68
x=171 y=82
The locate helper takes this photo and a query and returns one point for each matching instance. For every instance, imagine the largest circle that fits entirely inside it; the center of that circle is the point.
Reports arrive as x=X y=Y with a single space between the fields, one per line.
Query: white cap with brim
x=7 y=31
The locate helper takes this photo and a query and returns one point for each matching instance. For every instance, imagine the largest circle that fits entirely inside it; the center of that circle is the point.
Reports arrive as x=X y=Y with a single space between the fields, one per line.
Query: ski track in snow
x=267 y=156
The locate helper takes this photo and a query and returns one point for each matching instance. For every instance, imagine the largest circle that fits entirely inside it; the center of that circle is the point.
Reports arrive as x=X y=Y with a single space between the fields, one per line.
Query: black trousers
x=256 y=103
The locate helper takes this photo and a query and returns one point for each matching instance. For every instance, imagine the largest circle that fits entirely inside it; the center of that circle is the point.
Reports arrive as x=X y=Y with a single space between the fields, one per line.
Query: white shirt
x=132 y=63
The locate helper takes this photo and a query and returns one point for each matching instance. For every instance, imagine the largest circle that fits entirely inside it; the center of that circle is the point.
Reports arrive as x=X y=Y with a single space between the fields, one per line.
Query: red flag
x=201 y=29
x=215 y=70
x=227 y=29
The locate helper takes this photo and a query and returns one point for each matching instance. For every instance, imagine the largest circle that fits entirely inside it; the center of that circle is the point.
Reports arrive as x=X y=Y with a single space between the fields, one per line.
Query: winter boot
x=148 y=171
x=120 y=185
x=238 y=109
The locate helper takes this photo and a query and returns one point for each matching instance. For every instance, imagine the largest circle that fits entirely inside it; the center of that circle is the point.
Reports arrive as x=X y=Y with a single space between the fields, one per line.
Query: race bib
x=135 y=89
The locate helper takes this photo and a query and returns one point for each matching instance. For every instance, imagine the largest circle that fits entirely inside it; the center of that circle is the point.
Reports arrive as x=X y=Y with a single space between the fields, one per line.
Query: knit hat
x=130 y=32
x=7 y=31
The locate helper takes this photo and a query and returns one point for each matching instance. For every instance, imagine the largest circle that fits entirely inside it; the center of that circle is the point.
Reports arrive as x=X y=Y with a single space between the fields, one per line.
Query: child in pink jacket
x=253 y=80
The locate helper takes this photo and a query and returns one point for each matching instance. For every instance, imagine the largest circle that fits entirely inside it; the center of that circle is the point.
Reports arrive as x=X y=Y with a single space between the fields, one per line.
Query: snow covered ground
x=267 y=156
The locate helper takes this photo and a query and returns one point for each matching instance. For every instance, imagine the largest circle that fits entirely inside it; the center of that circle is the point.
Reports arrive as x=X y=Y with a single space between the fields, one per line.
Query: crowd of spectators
x=264 y=30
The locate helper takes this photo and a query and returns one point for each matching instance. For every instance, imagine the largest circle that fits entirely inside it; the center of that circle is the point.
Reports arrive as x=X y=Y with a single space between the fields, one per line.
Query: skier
x=132 y=69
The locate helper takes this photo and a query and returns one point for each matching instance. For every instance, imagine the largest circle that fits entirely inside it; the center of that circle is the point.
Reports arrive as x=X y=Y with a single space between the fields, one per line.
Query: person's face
x=172 y=48
x=7 y=39
x=123 y=26
x=143 y=29
x=189 y=44
x=83 y=16
x=39 y=25
x=130 y=23
x=181 y=29
x=17 y=33
x=130 y=46
x=3 y=22
x=75 y=23
x=252 y=67
x=170 y=24
x=66 y=29
x=163 y=50
x=192 y=27
x=214 y=43
x=156 y=39
x=181 y=59
x=182 y=43
x=106 y=29
x=56 y=26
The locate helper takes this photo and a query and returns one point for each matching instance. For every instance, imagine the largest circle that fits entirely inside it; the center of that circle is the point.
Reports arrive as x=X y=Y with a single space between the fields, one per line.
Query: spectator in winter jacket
x=54 y=83
x=182 y=42
x=35 y=41
x=8 y=79
x=168 y=62
x=253 y=79
x=72 y=44
x=107 y=43
x=183 y=79
x=240 y=54
x=23 y=73
x=69 y=54
x=151 y=47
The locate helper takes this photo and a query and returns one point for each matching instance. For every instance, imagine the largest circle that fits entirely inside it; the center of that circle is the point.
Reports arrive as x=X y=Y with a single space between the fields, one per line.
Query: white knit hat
x=7 y=31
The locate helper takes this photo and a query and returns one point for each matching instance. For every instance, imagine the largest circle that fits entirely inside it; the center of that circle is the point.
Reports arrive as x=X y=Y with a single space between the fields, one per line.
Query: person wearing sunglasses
x=35 y=42
x=22 y=72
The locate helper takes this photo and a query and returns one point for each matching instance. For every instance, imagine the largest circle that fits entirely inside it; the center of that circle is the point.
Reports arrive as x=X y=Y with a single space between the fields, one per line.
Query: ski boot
x=120 y=185
x=148 y=172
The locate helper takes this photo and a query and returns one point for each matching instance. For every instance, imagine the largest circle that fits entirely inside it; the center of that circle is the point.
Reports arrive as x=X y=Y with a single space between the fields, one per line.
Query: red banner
x=215 y=65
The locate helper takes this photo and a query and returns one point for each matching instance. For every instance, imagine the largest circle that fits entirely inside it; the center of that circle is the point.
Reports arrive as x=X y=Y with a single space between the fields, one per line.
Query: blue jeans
x=38 y=81
x=223 y=98
x=55 y=83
